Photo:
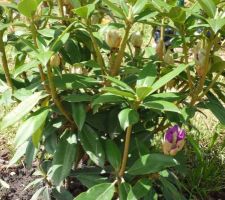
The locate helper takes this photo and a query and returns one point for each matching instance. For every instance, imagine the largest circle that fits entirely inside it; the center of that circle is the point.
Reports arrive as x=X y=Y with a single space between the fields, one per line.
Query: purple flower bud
x=174 y=140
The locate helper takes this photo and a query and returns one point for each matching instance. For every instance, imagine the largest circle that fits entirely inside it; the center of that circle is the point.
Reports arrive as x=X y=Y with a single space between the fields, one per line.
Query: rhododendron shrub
x=92 y=88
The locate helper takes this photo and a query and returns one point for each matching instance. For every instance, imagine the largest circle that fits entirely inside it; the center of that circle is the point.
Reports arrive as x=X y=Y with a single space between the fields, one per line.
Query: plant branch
x=126 y=151
x=114 y=69
x=61 y=12
x=4 y=61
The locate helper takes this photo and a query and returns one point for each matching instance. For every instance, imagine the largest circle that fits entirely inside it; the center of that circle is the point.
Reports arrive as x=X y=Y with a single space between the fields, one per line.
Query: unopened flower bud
x=136 y=39
x=55 y=60
x=174 y=140
x=168 y=58
x=113 y=39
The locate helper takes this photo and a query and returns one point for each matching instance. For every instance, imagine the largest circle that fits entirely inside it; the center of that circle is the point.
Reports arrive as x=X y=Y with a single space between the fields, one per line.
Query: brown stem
x=4 y=61
x=126 y=151
x=55 y=96
x=114 y=69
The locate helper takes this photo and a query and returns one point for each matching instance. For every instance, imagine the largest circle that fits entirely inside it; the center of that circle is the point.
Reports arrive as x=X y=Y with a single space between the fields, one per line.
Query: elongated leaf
x=170 y=96
x=77 y=98
x=123 y=85
x=63 y=157
x=107 y=98
x=92 y=145
x=30 y=154
x=102 y=191
x=91 y=180
x=25 y=67
x=19 y=153
x=143 y=92
x=113 y=154
x=124 y=189
x=31 y=126
x=168 y=77
x=21 y=110
x=162 y=105
x=115 y=9
x=44 y=57
x=216 y=24
x=79 y=114
x=208 y=6
x=128 y=117
x=139 y=6
x=152 y=163
x=118 y=92
x=28 y=7
x=38 y=193
x=85 y=11
x=140 y=189
x=147 y=76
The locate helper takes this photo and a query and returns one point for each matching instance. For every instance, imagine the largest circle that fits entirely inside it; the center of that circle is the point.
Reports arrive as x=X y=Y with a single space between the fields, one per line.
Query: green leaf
x=90 y=180
x=216 y=24
x=113 y=154
x=167 y=96
x=30 y=154
x=31 y=126
x=85 y=11
x=121 y=84
x=21 y=110
x=76 y=98
x=92 y=145
x=64 y=157
x=19 y=153
x=44 y=57
x=79 y=114
x=140 y=189
x=25 y=67
x=115 y=9
x=38 y=193
x=216 y=107
x=139 y=6
x=28 y=7
x=128 y=117
x=147 y=76
x=107 y=98
x=143 y=92
x=168 y=77
x=152 y=163
x=102 y=191
x=162 y=105
x=118 y=92
x=208 y=6
x=124 y=189
x=177 y=14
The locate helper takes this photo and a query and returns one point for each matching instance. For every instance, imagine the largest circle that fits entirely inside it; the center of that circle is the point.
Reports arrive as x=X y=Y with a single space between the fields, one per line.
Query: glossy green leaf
x=115 y=9
x=79 y=114
x=208 y=6
x=38 y=193
x=21 y=150
x=143 y=92
x=85 y=11
x=102 y=191
x=124 y=189
x=128 y=117
x=25 y=67
x=140 y=189
x=92 y=145
x=28 y=7
x=89 y=180
x=118 y=92
x=147 y=76
x=152 y=163
x=216 y=24
x=113 y=154
x=44 y=57
x=31 y=152
x=21 y=110
x=107 y=98
x=139 y=6
x=31 y=126
x=121 y=84
x=64 y=157
x=177 y=14
x=76 y=98
x=162 y=105
x=168 y=77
